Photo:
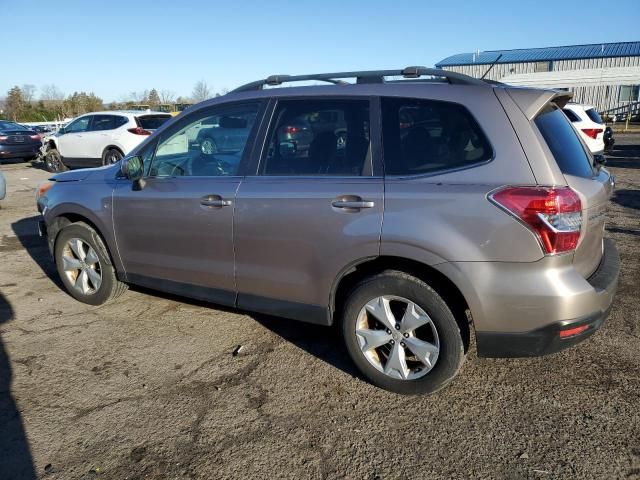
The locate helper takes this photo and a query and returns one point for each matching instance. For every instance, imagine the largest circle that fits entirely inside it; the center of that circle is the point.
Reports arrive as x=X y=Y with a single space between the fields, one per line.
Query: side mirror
x=132 y=168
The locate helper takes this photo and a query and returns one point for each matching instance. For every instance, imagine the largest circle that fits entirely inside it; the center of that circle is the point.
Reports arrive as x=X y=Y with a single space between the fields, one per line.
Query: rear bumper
x=561 y=334
x=19 y=151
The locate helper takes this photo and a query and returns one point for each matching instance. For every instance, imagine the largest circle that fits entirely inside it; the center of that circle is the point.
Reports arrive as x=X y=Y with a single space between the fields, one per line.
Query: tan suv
x=419 y=212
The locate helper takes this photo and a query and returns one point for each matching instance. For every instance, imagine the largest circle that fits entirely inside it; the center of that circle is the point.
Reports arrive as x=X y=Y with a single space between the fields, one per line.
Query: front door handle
x=351 y=203
x=215 y=201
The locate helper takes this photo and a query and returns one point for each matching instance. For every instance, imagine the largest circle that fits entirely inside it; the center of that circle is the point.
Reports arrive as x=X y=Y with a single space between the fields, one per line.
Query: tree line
x=21 y=105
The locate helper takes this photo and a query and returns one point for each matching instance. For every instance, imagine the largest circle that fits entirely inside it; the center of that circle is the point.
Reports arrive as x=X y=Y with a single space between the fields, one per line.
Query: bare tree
x=51 y=92
x=201 y=91
x=139 y=97
x=167 y=96
x=28 y=92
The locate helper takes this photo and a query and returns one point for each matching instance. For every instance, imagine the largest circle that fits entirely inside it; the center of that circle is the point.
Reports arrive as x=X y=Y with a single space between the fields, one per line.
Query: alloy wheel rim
x=208 y=147
x=113 y=157
x=54 y=161
x=397 y=337
x=81 y=266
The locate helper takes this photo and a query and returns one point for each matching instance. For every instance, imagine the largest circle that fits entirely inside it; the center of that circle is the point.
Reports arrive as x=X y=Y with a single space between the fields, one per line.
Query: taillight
x=290 y=130
x=35 y=137
x=592 y=132
x=3 y=138
x=554 y=214
x=139 y=131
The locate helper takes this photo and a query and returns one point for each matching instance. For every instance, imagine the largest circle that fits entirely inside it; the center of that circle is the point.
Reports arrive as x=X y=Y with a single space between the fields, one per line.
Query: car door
x=174 y=228
x=309 y=213
x=98 y=137
x=71 y=141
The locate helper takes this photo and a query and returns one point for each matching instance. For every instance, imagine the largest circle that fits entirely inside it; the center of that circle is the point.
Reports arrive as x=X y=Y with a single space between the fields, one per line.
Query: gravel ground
x=148 y=387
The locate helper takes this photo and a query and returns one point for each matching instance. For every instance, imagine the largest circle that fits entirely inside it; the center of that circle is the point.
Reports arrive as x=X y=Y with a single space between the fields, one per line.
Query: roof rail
x=367 y=76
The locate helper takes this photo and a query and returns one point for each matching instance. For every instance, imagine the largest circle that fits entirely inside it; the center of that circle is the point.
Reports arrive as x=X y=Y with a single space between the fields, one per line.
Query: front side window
x=318 y=137
x=209 y=143
x=423 y=136
x=79 y=125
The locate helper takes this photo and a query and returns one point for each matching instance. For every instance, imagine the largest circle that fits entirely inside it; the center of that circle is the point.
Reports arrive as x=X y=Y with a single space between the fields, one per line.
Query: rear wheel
x=111 y=156
x=84 y=265
x=53 y=161
x=401 y=334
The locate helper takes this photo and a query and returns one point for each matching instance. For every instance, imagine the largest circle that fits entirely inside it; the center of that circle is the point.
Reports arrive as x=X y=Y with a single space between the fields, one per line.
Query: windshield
x=564 y=143
x=11 y=126
x=594 y=115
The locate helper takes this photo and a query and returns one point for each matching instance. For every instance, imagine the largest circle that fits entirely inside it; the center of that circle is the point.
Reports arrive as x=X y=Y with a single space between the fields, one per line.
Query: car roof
x=126 y=112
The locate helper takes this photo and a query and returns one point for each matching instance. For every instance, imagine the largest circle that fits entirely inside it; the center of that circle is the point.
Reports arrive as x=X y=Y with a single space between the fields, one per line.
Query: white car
x=99 y=138
x=587 y=121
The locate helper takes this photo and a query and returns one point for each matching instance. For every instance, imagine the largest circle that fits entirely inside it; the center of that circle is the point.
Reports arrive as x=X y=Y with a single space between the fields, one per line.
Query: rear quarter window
x=426 y=136
x=563 y=141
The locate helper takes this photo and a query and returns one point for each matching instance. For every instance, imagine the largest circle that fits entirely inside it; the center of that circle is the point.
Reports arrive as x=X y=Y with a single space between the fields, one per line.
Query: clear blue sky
x=114 y=47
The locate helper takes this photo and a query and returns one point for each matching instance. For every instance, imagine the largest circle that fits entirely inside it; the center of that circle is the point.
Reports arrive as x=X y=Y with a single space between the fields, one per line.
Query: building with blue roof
x=606 y=75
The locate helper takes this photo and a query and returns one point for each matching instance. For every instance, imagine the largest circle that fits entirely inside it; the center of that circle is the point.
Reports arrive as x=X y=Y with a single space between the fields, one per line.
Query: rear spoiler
x=532 y=100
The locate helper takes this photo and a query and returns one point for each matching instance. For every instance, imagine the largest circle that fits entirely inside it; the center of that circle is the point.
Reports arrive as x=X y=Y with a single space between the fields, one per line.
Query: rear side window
x=564 y=143
x=571 y=115
x=152 y=122
x=594 y=115
x=107 y=122
x=323 y=137
x=423 y=136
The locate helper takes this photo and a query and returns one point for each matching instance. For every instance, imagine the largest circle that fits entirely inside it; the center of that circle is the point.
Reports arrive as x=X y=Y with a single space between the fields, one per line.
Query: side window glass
x=103 y=122
x=324 y=137
x=80 y=125
x=422 y=136
x=209 y=143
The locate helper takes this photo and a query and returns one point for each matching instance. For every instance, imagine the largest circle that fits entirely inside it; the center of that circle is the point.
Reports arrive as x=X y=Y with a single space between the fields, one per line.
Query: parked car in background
x=588 y=122
x=493 y=218
x=17 y=141
x=98 y=138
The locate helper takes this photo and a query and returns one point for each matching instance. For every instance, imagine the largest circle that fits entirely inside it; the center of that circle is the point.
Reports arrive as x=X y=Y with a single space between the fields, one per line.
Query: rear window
x=11 y=126
x=152 y=122
x=594 y=115
x=564 y=143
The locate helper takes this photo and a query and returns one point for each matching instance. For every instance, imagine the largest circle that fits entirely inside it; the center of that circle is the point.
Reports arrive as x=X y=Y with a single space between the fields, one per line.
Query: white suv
x=587 y=121
x=99 y=138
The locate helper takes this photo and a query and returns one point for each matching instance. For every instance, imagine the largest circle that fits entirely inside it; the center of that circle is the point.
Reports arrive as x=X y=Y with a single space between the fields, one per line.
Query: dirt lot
x=148 y=387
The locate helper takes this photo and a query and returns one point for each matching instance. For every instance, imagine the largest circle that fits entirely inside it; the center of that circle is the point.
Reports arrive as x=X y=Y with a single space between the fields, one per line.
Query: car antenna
x=491 y=66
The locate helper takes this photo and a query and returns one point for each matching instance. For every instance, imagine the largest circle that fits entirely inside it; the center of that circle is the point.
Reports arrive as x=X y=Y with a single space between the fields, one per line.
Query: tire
x=67 y=256
x=111 y=156
x=439 y=339
x=53 y=161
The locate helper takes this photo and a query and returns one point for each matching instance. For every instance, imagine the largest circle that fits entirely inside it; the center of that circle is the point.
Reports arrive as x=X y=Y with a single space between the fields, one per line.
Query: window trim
x=261 y=147
x=205 y=111
x=443 y=171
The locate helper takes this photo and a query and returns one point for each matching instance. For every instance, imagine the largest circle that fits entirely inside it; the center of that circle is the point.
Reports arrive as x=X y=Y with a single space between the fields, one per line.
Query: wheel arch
x=366 y=267
x=112 y=147
x=61 y=218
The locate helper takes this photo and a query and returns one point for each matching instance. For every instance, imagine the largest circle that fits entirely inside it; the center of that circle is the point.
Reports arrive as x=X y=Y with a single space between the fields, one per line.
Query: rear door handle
x=215 y=201
x=351 y=203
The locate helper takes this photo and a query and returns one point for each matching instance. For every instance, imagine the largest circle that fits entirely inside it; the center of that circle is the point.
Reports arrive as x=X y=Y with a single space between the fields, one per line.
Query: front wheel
x=53 y=161
x=84 y=265
x=401 y=335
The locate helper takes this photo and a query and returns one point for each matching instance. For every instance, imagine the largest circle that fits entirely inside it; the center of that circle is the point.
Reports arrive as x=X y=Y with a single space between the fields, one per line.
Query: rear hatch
x=152 y=121
x=593 y=185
